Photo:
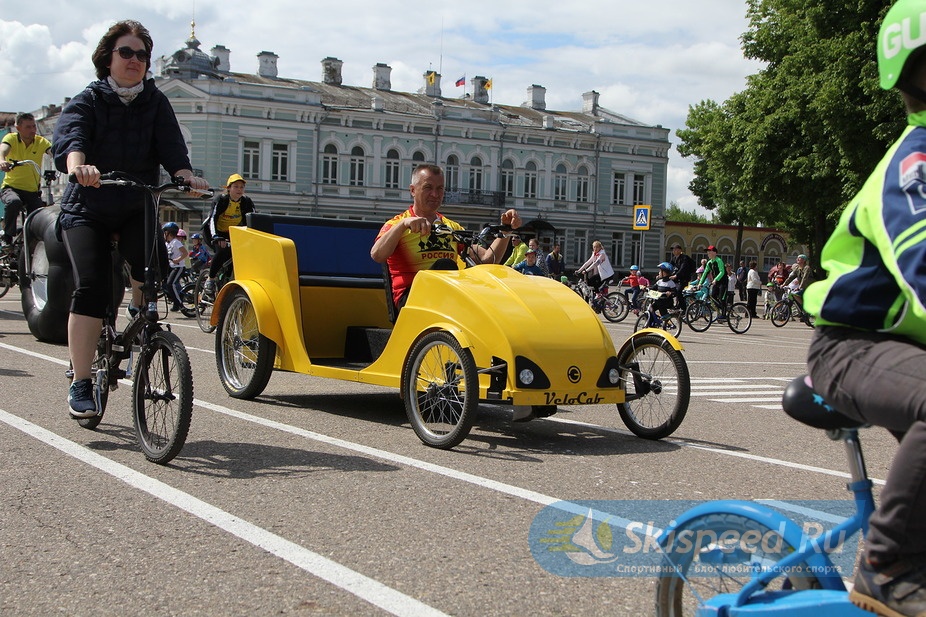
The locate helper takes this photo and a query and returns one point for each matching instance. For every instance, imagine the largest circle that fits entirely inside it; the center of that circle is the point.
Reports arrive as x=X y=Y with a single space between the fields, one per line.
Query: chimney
x=548 y=122
x=382 y=77
x=536 y=97
x=590 y=103
x=331 y=71
x=480 y=94
x=432 y=83
x=267 y=64
x=377 y=103
x=222 y=54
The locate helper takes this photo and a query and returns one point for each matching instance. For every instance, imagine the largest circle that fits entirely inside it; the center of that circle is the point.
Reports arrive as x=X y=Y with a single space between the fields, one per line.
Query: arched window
x=530 y=180
x=508 y=178
x=452 y=173
x=392 y=169
x=357 y=166
x=475 y=174
x=559 y=183
x=330 y=165
x=582 y=184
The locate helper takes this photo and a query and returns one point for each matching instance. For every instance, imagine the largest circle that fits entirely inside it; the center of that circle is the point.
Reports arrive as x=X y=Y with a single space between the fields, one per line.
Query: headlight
x=614 y=376
x=526 y=376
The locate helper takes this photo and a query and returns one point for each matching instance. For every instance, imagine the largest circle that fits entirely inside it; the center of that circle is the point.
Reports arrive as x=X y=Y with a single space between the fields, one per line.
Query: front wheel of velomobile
x=738 y=318
x=441 y=390
x=243 y=355
x=656 y=386
x=723 y=566
x=162 y=397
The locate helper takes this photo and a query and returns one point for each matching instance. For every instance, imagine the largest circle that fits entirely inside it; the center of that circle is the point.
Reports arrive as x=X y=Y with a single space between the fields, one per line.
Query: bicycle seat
x=801 y=402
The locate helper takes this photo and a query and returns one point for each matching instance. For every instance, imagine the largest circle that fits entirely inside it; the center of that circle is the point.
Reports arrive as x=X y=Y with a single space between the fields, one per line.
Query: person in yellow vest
x=21 y=184
x=228 y=210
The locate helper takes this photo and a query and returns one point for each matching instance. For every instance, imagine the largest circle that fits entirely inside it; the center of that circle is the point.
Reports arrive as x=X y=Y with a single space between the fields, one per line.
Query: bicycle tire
x=641 y=322
x=6 y=280
x=739 y=318
x=441 y=390
x=781 y=313
x=188 y=300
x=672 y=323
x=244 y=357
x=100 y=368
x=714 y=569
x=657 y=386
x=699 y=316
x=616 y=308
x=204 y=304
x=162 y=397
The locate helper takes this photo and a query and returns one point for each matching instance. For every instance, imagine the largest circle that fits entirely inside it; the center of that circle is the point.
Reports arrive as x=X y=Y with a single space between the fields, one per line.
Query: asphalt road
x=318 y=499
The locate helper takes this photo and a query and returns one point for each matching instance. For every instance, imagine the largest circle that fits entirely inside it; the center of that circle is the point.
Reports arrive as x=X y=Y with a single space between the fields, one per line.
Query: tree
x=794 y=146
x=675 y=214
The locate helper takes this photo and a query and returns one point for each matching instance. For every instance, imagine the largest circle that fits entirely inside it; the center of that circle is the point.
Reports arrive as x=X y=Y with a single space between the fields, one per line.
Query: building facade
x=324 y=148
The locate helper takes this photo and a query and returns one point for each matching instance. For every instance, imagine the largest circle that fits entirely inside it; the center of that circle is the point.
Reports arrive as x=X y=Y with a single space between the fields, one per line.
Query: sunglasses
x=127 y=52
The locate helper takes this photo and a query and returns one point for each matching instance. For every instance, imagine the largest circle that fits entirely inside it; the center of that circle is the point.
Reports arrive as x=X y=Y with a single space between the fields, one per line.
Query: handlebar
x=118 y=178
x=483 y=237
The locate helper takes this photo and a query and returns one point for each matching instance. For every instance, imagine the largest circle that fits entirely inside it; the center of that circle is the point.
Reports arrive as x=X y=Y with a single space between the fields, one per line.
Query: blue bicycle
x=782 y=571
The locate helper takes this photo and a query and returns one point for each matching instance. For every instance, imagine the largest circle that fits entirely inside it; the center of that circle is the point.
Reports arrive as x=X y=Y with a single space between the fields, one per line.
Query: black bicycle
x=10 y=255
x=203 y=299
x=162 y=379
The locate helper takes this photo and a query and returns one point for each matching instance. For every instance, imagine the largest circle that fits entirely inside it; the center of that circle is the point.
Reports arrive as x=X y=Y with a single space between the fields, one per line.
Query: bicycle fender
x=657 y=331
x=267 y=322
x=823 y=568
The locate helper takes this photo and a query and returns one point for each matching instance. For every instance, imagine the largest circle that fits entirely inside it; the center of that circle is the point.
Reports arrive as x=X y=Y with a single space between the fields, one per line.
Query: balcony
x=493 y=199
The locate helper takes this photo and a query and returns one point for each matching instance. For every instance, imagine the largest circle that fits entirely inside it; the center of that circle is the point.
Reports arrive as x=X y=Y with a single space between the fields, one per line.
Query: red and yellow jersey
x=418 y=252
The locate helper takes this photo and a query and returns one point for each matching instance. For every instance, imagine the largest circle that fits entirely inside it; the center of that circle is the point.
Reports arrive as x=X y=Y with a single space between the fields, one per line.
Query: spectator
x=530 y=264
x=518 y=250
x=556 y=264
x=753 y=287
x=533 y=245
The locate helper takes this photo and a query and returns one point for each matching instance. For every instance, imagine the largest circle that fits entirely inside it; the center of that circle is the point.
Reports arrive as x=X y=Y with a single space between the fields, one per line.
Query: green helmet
x=903 y=31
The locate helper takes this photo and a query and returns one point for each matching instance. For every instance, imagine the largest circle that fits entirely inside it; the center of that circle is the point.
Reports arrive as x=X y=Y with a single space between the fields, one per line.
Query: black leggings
x=89 y=247
x=222 y=256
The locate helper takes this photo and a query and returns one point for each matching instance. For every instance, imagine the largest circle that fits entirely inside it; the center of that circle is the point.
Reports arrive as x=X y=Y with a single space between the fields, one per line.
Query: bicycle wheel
x=738 y=318
x=699 y=316
x=162 y=397
x=188 y=300
x=441 y=390
x=672 y=323
x=657 y=386
x=642 y=322
x=101 y=385
x=204 y=303
x=781 y=313
x=724 y=565
x=243 y=356
x=7 y=274
x=616 y=308
x=809 y=320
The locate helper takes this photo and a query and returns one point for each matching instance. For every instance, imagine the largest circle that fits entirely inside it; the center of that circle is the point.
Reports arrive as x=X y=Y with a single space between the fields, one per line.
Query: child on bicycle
x=176 y=256
x=868 y=351
x=666 y=286
x=633 y=280
x=770 y=299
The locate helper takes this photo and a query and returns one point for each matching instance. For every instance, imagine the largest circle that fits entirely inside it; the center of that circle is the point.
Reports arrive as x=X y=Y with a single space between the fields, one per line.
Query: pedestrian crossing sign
x=641 y=217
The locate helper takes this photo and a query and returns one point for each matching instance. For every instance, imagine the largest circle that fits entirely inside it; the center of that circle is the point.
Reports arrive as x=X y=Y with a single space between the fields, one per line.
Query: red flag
x=461 y=81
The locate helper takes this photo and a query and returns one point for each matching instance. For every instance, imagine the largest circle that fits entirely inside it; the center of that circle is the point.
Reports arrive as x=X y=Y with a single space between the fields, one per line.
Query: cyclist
x=716 y=272
x=228 y=210
x=802 y=276
x=632 y=294
x=21 y=185
x=666 y=286
x=684 y=269
x=199 y=254
x=869 y=347
x=119 y=122
x=405 y=243
x=176 y=256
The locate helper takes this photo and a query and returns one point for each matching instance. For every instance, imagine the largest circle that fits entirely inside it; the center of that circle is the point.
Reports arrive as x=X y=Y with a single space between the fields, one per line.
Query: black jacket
x=219 y=205
x=136 y=138
x=684 y=268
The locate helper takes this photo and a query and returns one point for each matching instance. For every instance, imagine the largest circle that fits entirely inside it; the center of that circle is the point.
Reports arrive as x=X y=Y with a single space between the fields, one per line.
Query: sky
x=649 y=61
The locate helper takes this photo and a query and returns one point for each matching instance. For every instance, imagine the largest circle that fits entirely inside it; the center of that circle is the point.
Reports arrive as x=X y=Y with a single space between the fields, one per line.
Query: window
x=618 y=189
x=559 y=183
x=452 y=173
x=508 y=178
x=330 y=165
x=279 y=162
x=530 y=180
x=475 y=174
x=582 y=183
x=639 y=189
x=392 y=169
x=417 y=159
x=357 y=166
x=250 y=160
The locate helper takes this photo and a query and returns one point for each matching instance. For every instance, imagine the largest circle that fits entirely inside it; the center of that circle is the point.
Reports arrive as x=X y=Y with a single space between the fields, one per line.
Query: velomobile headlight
x=614 y=376
x=526 y=376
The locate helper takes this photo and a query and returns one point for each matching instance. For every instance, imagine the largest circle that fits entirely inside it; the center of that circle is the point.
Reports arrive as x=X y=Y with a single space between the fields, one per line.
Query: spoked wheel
x=699 y=315
x=162 y=397
x=657 y=386
x=204 y=302
x=672 y=323
x=243 y=356
x=7 y=274
x=101 y=376
x=781 y=314
x=721 y=566
x=641 y=322
x=188 y=299
x=738 y=318
x=809 y=320
x=441 y=390
x=616 y=307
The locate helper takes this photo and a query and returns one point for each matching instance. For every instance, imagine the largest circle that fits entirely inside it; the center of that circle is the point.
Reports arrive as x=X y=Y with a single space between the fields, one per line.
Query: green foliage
x=793 y=147
x=675 y=214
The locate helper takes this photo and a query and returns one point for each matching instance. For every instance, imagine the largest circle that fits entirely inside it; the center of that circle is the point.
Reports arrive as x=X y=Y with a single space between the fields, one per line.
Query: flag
x=431 y=78
x=489 y=85
x=461 y=81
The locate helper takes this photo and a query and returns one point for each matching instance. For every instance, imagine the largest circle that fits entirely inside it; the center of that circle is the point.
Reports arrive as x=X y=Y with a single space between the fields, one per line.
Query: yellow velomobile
x=308 y=298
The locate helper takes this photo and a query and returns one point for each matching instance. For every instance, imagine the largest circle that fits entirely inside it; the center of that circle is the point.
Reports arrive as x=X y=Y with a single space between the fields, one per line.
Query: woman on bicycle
x=716 y=272
x=599 y=265
x=121 y=122
x=228 y=210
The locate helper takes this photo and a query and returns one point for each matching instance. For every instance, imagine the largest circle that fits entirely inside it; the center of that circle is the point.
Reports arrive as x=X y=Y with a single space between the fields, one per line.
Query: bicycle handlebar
x=116 y=178
x=469 y=238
